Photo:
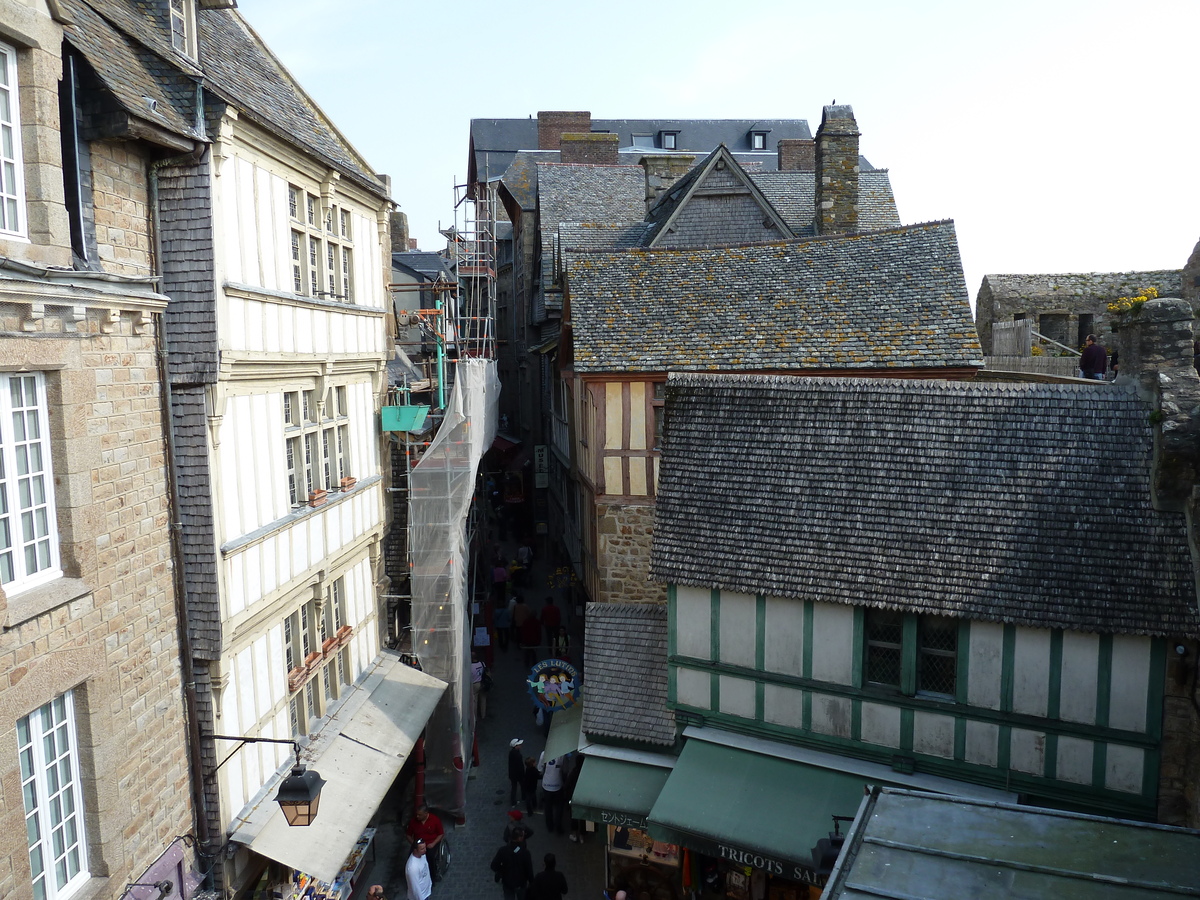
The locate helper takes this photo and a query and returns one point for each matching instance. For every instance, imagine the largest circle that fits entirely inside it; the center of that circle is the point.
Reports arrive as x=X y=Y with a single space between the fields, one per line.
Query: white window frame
x=317 y=444
x=48 y=786
x=323 y=235
x=758 y=140
x=28 y=517
x=183 y=40
x=305 y=631
x=12 y=170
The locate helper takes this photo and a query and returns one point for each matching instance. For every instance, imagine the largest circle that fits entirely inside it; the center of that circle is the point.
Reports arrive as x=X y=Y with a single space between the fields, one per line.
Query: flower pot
x=312 y=661
x=317 y=497
x=348 y=482
x=344 y=634
x=330 y=646
x=296 y=678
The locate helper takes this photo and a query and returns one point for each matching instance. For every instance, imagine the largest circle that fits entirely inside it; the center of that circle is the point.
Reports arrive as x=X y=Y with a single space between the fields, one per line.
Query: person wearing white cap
x=516 y=769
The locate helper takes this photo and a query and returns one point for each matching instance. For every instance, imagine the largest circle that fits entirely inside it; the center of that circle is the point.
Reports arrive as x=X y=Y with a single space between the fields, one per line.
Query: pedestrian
x=515 y=821
x=513 y=866
x=416 y=873
x=426 y=828
x=516 y=770
x=553 y=780
x=499 y=584
x=531 y=638
x=529 y=785
x=560 y=648
x=551 y=620
x=375 y=892
x=550 y=884
x=502 y=620
x=1093 y=363
x=478 y=688
x=525 y=560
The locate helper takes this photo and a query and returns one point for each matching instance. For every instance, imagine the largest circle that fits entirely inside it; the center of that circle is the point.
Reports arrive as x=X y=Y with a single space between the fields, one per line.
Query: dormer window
x=669 y=140
x=758 y=140
x=183 y=26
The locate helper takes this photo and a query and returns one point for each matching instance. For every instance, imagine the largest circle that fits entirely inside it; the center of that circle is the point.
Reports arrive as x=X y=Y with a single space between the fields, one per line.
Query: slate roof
x=890 y=299
x=1092 y=287
x=625 y=661
x=569 y=192
x=793 y=194
x=424 y=263
x=1016 y=503
x=520 y=178
x=602 y=235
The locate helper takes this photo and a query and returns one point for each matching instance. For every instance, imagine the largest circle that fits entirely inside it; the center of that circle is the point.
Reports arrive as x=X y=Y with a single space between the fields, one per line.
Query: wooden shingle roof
x=883 y=300
x=1017 y=503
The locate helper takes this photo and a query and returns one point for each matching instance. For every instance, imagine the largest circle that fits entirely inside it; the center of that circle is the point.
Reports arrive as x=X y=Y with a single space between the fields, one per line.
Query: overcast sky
x=1060 y=136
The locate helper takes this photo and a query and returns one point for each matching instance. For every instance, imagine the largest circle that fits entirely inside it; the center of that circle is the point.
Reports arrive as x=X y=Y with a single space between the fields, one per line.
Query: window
x=643 y=140
x=912 y=654
x=657 y=404
x=317 y=443
x=758 y=140
x=312 y=641
x=181 y=27
x=28 y=533
x=669 y=140
x=49 y=754
x=322 y=260
x=12 y=189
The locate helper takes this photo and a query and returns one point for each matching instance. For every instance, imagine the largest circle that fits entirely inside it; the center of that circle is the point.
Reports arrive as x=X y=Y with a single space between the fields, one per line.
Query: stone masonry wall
x=1179 y=772
x=623 y=534
x=107 y=628
x=122 y=197
x=837 y=171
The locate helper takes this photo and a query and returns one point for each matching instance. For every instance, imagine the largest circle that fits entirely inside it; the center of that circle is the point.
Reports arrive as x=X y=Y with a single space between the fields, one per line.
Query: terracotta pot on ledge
x=317 y=497
x=348 y=482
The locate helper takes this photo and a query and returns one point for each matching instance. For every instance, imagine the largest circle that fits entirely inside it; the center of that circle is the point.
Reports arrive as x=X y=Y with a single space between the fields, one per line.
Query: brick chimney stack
x=591 y=148
x=797 y=155
x=662 y=171
x=552 y=125
x=837 y=171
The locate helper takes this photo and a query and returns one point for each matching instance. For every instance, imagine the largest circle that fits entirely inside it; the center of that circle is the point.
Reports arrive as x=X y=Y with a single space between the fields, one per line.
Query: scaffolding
x=473 y=246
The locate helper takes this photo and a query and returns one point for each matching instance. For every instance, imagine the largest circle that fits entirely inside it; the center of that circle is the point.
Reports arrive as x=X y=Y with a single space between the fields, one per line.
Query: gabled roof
x=1016 y=503
x=882 y=300
x=670 y=206
x=625 y=660
x=424 y=264
x=794 y=195
x=520 y=178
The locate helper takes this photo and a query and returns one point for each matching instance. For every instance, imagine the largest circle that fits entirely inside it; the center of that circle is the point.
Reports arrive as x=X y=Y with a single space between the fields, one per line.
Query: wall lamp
x=300 y=793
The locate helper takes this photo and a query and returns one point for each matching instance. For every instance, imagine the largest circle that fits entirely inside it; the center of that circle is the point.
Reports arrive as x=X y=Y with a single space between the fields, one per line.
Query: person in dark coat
x=1093 y=363
x=549 y=884
x=513 y=865
x=529 y=785
x=516 y=769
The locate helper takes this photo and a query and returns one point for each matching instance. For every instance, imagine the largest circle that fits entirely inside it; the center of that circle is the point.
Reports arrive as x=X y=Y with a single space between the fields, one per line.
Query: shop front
x=358 y=754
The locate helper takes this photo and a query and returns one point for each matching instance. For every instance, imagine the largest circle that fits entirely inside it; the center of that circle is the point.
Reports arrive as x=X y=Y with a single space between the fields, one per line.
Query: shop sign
x=770 y=865
x=541 y=466
x=624 y=820
x=554 y=685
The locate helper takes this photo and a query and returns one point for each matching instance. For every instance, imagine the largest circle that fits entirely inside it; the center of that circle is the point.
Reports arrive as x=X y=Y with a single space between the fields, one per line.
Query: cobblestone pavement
x=474 y=843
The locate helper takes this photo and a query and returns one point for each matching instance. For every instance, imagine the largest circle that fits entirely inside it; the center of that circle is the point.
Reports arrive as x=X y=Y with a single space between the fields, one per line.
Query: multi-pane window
x=12 y=190
x=28 y=534
x=660 y=395
x=181 y=26
x=322 y=263
x=317 y=443
x=912 y=654
x=49 y=756
x=310 y=641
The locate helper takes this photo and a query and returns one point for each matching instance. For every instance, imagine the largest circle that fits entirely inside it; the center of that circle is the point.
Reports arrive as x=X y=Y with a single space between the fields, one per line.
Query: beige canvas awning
x=358 y=753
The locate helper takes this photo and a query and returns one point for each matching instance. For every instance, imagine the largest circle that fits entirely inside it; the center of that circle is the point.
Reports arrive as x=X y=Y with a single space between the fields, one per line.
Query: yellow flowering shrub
x=1132 y=304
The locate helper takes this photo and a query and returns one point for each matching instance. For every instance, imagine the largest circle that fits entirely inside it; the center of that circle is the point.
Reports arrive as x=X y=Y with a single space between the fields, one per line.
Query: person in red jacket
x=427 y=827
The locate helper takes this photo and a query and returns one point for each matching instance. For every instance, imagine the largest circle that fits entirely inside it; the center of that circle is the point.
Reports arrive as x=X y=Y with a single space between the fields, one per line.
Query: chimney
x=591 y=148
x=837 y=171
x=554 y=124
x=662 y=171
x=797 y=155
x=1191 y=280
x=399 y=229
x=1156 y=355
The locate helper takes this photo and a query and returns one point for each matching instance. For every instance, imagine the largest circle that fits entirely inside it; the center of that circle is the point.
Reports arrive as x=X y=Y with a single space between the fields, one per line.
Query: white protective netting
x=441 y=489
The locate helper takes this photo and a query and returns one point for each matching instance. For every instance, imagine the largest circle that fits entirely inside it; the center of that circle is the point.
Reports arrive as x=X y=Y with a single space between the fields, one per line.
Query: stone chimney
x=1155 y=348
x=662 y=171
x=797 y=155
x=1191 y=280
x=589 y=147
x=554 y=124
x=399 y=229
x=837 y=171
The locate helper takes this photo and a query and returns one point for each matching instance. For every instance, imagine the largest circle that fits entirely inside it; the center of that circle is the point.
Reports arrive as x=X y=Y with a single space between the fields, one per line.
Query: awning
x=358 y=753
x=616 y=792
x=756 y=810
x=504 y=443
x=564 y=732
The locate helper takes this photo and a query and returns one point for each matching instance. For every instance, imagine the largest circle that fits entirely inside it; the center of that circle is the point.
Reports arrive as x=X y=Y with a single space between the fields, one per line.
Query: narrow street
x=509 y=715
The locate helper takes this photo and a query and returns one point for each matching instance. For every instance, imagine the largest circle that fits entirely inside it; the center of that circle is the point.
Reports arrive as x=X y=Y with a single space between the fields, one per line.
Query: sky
x=1060 y=136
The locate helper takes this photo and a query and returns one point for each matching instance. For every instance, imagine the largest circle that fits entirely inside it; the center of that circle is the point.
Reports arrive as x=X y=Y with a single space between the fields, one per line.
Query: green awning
x=564 y=732
x=617 y=792
x=758 y=810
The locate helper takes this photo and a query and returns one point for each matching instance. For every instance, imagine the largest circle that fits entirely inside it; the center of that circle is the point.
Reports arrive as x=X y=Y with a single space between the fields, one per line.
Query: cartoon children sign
x=554 y=685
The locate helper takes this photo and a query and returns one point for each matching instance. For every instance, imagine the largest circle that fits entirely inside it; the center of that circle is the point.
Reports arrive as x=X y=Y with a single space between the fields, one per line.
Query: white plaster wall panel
x=321 y=332
x=277 y=662
x=880 y=724
x=253 y=338
x=302 y=331
x=287 y=329
x=983 y=673
x=298 y=535
x=231 y=717
x=783 y=640
x=613 y=410
x=235 y=790
x=1123 y=769
x=693 y=622
x=262 y=677
x=982 y=741
x=341 y=333
x=270 y=564
x=737 y=696
x=833 y=642
x=1130 y=682
x=831 y=715
x=692 y=688
x=316 y=538
x=247 y=223
x=227 y=204
x=783 y=706
x=235 y=584
x=281 y=223
x=243 y=679
x=235 y=444
x=933 y=734
x=1031 y=671
x=268 y=230
x=267 y=490
x=1074 y=760
x=271 y=328
x=283 y=556
x=1027 y=751
x=367 y=458
x=1080 y=662
x=737 y=620
x=253 y=557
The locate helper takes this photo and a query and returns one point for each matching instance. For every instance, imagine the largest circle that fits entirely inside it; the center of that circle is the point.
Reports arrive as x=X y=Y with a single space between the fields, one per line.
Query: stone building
x=94 y=752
